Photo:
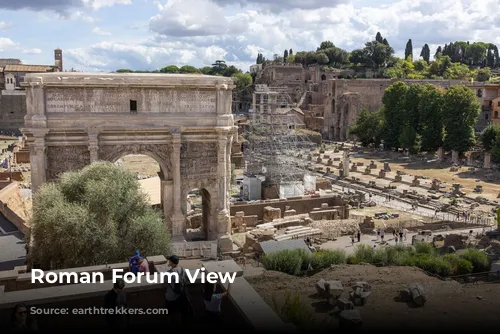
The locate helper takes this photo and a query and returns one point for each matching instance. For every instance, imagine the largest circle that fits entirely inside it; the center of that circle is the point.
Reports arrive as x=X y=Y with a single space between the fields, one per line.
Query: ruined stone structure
x=344 y=99
x=184 y=122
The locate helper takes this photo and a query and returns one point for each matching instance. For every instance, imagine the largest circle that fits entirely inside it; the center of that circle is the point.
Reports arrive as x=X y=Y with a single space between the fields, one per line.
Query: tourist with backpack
x=176 y=300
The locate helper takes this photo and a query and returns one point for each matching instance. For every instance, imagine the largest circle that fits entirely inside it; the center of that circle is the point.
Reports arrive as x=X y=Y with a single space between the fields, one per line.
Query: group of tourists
x=177 y=301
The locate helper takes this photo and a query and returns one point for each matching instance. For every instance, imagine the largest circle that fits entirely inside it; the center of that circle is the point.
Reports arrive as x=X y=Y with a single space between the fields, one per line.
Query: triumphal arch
x=184 y=122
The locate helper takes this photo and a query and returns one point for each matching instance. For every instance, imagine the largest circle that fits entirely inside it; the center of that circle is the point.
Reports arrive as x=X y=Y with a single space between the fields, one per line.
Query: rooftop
x=28 y=68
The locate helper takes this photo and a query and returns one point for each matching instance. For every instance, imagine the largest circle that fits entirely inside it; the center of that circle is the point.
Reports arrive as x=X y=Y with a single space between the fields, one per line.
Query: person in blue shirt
x=133 y=263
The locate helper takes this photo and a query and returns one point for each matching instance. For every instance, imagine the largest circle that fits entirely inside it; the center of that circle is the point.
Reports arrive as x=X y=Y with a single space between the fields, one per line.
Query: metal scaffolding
x=274 y=149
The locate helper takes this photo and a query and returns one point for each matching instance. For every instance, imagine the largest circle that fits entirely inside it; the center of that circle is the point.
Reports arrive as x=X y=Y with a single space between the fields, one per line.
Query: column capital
x=223 y=130
x=93 y=131
x=221 y=87
x=176 y=131
x=39 y=133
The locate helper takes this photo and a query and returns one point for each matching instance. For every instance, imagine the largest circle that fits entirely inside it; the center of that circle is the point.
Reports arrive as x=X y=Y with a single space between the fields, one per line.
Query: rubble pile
x=335 y=228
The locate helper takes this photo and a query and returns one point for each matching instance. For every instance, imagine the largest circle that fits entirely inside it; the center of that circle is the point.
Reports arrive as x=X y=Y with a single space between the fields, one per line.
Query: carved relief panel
x=62 y=159
x=199 y=160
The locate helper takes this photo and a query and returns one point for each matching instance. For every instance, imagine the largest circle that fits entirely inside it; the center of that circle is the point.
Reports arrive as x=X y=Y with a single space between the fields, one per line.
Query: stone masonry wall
x=12 y=112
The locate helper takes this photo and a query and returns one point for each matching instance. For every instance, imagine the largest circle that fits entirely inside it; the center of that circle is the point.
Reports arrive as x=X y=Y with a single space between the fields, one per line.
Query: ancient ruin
x=184 y=122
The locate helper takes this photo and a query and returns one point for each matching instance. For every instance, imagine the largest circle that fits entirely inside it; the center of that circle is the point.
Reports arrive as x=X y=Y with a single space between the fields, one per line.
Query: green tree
x=322 y=58
x=218 y=67
x=325 y=45
x=94 y=216
x=207 y=70
x=458 y=71
x=460 y=112
x=483 y=74
x=124 y=70
x=290 y=52
x=409 y=139
x=357 y=57
x=170 y=69
x=489 y=136
x=377 y=54
x=431 y=117
x=188 y=69
x=243 y=81
x=426 y=53
x=409 y=49
x=379 y=37
x=285 y=56
x=230 y=71
x=368 y=127
x=394 y=103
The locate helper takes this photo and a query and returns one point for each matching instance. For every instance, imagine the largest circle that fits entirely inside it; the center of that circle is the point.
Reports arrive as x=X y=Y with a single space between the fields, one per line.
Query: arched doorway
x=198 y=212
x=147 y=172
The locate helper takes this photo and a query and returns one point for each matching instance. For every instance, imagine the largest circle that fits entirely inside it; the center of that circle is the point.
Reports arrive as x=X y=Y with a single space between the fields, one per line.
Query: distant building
x=13 y=96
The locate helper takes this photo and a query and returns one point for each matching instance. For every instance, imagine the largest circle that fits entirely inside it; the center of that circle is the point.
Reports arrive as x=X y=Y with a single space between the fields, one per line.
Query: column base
x=225 y=243
x=223 y=223
x=178 y=225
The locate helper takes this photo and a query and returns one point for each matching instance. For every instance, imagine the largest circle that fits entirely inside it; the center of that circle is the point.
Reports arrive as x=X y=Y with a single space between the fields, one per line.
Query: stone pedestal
x=487 y=160
x=454 y=157
x=415 y=182
x=381 y=174
x=440 y=154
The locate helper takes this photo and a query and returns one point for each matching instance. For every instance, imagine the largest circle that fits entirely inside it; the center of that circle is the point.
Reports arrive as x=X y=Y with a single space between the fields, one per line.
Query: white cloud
x=97 y=4
x=6 y=43
x=98 y=31
x=200 y=31
x=5 y=25
x=32 y=51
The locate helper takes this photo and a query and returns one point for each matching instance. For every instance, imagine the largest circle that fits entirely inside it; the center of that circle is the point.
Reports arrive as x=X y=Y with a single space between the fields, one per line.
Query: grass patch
x=421 y=255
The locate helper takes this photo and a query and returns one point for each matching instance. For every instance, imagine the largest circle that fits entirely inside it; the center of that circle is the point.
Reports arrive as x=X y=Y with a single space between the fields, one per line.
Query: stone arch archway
x=160 y=153
x=183 y=122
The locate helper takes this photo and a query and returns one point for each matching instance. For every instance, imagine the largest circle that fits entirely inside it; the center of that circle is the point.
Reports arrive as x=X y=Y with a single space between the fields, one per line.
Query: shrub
x=479 y=260
x=294 y=310
x=380 y=256
x=364 y=253
x=424 y=248
x=326 y=258
x=287 y=261
x=432 y=264
x=305 y=256
x=351 y=259
x=464 y=267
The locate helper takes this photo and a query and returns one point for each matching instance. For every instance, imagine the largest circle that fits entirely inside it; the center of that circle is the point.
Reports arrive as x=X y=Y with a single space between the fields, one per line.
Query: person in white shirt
x=213 y=301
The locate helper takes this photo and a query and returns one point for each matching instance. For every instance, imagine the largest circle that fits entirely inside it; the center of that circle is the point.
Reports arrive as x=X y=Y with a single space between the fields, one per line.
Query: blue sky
x=104 y=35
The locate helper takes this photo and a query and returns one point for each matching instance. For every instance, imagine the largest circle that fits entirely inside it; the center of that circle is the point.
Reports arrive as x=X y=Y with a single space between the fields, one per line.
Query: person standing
x=21 y=322
x=401 y=236
x=133 y=263
x=382 y=233
x=143 y=265
x=115 y=299
x=359 y=236
x=175 y=296
x=213 y=301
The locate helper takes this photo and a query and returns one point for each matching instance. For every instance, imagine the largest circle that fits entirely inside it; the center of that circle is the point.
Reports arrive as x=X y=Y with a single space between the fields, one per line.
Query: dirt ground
x=469 y=180
x=143 y=164
x=450 y=305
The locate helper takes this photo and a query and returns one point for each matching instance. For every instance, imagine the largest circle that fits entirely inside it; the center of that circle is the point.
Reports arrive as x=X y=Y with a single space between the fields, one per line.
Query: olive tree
x=93 y=216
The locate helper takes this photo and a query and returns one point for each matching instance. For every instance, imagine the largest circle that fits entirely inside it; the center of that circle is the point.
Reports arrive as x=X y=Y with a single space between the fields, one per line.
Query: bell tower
x=58 y=59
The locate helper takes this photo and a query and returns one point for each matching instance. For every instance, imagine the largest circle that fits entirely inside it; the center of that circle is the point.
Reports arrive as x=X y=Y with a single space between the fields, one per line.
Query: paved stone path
x=344 y=243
